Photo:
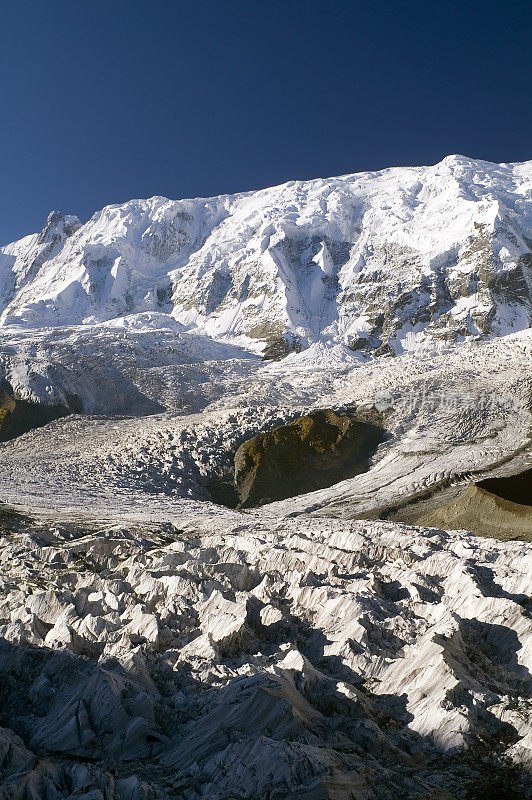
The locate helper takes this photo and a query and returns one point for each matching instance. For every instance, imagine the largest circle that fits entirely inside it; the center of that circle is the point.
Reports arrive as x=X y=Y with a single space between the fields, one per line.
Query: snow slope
x=389 y=257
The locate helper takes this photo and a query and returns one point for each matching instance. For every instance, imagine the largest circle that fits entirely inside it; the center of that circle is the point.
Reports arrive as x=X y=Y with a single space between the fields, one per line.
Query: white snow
x=314 y=258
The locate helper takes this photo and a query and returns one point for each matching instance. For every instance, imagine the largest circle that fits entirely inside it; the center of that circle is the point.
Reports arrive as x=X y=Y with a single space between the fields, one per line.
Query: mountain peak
x=377 y=261
x=58 y=226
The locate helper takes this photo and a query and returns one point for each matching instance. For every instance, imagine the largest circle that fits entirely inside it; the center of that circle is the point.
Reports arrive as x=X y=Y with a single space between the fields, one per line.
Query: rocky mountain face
x=378 y=261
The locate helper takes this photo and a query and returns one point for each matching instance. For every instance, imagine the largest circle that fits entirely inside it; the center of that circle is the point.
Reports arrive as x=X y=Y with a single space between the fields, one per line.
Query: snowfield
x=154 y=644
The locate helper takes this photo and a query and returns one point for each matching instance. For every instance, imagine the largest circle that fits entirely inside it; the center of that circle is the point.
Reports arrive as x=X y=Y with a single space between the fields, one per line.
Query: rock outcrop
x=312 y=452
x=513 y=488
x=18 y=416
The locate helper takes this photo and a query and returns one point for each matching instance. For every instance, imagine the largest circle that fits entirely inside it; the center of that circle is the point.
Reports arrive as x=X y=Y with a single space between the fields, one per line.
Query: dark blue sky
x=104 y=101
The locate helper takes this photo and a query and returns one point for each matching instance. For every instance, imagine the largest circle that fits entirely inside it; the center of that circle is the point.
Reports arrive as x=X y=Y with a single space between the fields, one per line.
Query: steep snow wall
x=378 y=260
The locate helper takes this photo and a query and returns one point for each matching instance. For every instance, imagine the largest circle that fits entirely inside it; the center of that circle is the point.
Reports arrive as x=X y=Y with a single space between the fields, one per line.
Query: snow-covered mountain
x=337 y=645
x=379 y=260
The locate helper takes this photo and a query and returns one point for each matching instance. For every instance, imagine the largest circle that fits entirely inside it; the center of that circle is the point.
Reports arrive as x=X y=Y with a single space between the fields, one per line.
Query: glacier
x=155 y=644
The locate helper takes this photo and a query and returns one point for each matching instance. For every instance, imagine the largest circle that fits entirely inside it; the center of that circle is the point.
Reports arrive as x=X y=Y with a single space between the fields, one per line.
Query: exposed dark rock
x=359 y=343
x=516 y=488
x=58 y=227
x=279 y=347
x=222 y=491
x=313 y=452
x=385 y=349
x=19 y=416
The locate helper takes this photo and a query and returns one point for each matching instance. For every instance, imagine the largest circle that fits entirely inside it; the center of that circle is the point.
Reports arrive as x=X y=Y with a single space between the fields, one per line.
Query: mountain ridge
x=381 y=261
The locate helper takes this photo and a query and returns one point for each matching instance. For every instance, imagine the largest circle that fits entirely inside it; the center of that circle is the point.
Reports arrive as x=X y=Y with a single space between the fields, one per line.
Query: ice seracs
x=263 y=657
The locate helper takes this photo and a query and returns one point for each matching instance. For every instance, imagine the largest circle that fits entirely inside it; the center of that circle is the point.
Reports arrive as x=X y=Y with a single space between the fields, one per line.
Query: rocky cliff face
x=379 y=261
